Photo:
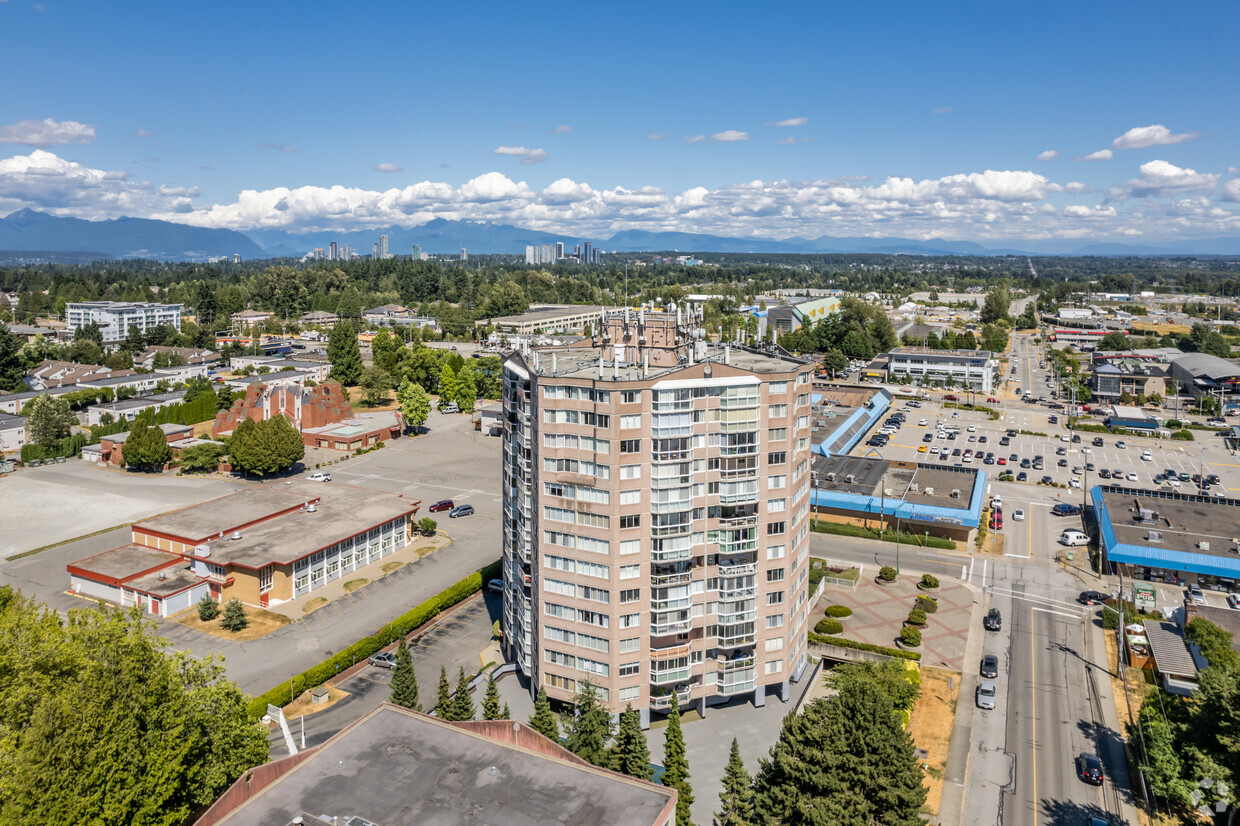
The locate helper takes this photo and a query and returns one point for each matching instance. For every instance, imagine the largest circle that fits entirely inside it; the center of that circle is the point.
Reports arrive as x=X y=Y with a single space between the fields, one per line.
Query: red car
x=1001 y=460
x=443 y=505
x=950 y=398
x=992 y=400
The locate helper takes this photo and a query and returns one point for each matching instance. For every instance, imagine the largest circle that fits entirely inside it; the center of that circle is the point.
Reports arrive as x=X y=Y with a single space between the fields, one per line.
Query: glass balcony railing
x=734 y=617
x=739 y=569
x=663 y=702
x=679 y=626
x=658 y=580
x=737 y=686
x=735 y=664
x=737 y=640
x=669 y=677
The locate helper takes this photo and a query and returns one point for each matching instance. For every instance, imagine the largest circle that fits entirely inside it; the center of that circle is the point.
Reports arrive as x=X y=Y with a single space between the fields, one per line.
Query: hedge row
x=843 y=529
x=411 y=620
x=68 y=446
x=864 y=646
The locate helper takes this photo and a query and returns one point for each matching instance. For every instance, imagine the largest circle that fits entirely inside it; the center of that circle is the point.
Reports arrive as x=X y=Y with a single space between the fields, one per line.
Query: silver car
x=986 y=693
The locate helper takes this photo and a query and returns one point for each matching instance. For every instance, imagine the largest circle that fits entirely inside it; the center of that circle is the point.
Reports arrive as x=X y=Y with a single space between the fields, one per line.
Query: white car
x=1146 y=456
x=1018 y=515
x=1073 y=538
x=972 y=428
x=996 y=501
x=934 y=449
x=1132 y=477
x=1065 y=438
x=1233 y=601
x=922 y=422
x=1086 y=449
x=320 y=477
x=1074 y=483
x=1175 y=483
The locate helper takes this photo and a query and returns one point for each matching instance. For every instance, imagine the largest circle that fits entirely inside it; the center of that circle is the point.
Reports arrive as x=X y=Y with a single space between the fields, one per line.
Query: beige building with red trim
x=264 y=545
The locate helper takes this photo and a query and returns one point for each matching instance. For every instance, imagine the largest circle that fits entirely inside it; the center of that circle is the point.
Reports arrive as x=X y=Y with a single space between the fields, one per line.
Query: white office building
x=116 y=317
x=974 y=369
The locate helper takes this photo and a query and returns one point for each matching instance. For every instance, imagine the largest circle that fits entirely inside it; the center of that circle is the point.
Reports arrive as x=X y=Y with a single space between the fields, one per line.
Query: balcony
x=736 y=592
x=742 y=569
x=736 y=522
x=676 y=555
x=734 y=617
x=670 y=579
x=738 y=687
x=673 y=627
x=670 y=676
x=737 y=640
x=669 y=652
x=672 y=604
x=735 y=663
x=663 y=702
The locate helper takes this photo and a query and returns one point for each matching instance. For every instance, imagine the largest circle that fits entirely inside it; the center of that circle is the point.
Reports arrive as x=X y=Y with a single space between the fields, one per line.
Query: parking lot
x=1206 y=455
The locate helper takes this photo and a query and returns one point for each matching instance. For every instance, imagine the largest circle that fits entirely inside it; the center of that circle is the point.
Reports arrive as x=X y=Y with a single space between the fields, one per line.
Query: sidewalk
x=955 y=780
x=1112 y=738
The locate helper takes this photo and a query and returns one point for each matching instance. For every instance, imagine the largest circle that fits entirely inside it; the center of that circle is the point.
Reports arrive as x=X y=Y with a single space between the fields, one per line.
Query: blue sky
x=914 y=119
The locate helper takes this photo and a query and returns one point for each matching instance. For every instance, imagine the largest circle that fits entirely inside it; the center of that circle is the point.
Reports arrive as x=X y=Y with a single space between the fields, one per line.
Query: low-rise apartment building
x=116 y=317
x=974 y=369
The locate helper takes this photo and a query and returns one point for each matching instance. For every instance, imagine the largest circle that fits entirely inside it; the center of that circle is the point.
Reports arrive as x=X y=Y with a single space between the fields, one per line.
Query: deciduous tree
x=376 y=382
x=415 y=404
x=447 y=386
x=50 y=419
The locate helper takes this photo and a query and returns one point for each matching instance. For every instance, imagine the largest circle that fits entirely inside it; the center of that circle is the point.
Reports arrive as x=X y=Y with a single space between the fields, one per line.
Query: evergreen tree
x=736 y=799
x=415 y=404
x=462 y=701
x=506 y=714
x=544 y=721
x=490 y=701
x=629 y=753
x=11 y=367
x=443 y=699
x=590 y=726
x=50 y=419
x=234 y=618
x=448 y=387
x=208 y=608
x=845 y=760
x=404 y=680
x=344 y=354
x=676 y=765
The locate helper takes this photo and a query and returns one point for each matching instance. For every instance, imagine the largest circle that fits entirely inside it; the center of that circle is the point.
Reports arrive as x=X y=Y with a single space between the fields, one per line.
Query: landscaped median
x=403 y=625
x=847 y=529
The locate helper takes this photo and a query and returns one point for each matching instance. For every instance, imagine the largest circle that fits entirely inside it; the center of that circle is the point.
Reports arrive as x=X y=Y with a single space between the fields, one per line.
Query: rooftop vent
x=1153 y=536
x=1203 y=546
x=850 y=478
x=955 y=494
x=912 y=487
x=162 y=576
x=929 y=491
x=236 y=535
x=311 y=508
x=831 y=476
x=1147 y=515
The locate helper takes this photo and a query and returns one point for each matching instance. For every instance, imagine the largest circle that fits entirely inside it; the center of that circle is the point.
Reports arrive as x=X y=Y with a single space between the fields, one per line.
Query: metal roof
x=1204 y=365
x=1171 y=654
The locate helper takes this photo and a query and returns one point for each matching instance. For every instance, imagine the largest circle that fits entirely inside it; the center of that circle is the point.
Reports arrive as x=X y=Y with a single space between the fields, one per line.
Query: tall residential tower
x=656 y=515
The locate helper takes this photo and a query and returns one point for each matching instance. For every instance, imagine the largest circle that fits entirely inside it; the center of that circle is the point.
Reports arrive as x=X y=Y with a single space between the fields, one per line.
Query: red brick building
x=322 y=414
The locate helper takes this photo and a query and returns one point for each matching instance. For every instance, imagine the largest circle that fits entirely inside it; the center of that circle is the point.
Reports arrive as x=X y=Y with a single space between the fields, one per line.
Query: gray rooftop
x=342 y=512
x=582 y=363
x=126 y=561
x=871 y=475
x=8 y=421
x=1184 y=520
x=1204 y=365
x=169 y=430
x=395 y=766
x=139 y=402
x=109 y=381
x=548 y=315
x=1171 y=655
x=283 y=375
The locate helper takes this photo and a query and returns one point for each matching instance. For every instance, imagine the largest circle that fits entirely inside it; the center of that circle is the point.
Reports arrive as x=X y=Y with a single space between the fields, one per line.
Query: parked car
x=993 y=621
x=1097 y=442
x=1022 y=477
x=1089 y=768
x=990 y=666
x=442 y=505
x=1122 y=445
x=986 y=693
x=1018 y=515
x=1194 y=593
x=320 y=477
x=461 y=510
x=451 y=408
x=1073 y=538
x=496 y=586
x=384 y=659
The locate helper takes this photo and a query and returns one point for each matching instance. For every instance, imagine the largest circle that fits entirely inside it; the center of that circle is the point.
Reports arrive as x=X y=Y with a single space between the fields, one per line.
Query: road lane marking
x=940 y=562
x=1035 y=598
x=1057 y=613
x=1033 y=685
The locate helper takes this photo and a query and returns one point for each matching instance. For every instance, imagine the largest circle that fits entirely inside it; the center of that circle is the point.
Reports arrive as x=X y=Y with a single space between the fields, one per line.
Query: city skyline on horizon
x=1065 y=136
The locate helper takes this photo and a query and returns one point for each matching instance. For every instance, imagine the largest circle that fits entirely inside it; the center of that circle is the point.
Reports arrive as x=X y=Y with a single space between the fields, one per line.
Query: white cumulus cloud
x=1231 y=190
x=43 y=180
x=729 y=136
x=790 y=122
x=1100 y=155
x=1048 y=155
x=1140 y=137
x=47 y=132
x=1160 y=179
x=386 y=167
x=527 y=156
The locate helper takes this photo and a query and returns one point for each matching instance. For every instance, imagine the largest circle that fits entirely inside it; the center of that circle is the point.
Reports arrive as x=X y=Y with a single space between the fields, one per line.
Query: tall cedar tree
x=344 y=354
x=448 y=386
x=590 y=727
x=490 y=701
x=462 y=701
x=629 y=753
x=404 y=680
x=676 y=765
x=11 y=368
x=443 y=699
x=155 y=738
x=736 y=799
x=544 y=721
x=843 y=761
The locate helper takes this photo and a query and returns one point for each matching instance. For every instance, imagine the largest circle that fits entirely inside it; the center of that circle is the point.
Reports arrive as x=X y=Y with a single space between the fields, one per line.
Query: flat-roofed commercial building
x=265 y=545
x=116 y=317
x=656 y=515
x=570 y=319
x=1175 y=538
x=974 y=369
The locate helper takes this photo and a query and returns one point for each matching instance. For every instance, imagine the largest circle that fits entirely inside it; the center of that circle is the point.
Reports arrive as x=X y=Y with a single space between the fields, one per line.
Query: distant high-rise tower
x=332 y=251
x=577 y=251
x=318 y=254
x=585 y=259
x=464 y=254
x=374 y=251
x=417 y=252
x=346 y=253
x=531 y=253
x=236 y=258
x=559 y=250
x=383 y=247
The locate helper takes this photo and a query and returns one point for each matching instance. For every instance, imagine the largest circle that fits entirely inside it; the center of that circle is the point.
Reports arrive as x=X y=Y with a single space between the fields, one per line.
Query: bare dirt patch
x=353 y=584
x=313 y=605
x=930 y=726
x=388 y=567
x=261 y=624
x=305 y=704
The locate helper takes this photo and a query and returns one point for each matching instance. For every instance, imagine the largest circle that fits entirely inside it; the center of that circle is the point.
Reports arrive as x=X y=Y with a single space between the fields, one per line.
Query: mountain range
x=45 y=236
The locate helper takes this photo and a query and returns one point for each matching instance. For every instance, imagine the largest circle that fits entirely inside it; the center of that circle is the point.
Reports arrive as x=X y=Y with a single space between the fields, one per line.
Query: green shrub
x=844 y=642
x=910 y=636
x=1173 y=424
x=839 y=611
x=208 y=608
x=1182 y=435
x=917 y=617
x=929 y=581
x=826 y=625
x=840 y=529
x=927 y=604
x=887 y=573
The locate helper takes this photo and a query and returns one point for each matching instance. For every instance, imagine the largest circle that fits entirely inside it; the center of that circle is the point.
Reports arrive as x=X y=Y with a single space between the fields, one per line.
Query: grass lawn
x=304 y=705
x=388 y=567
x=313 y=605
x=930 y=726
x=353 y=584
x=261 y=624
